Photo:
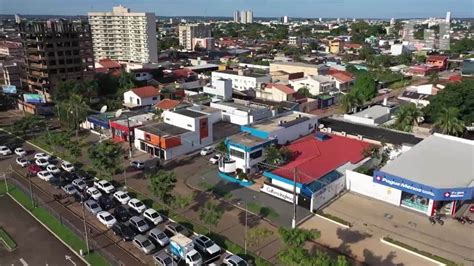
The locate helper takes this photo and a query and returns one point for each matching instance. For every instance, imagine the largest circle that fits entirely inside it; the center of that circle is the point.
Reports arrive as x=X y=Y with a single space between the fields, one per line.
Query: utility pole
x=85 y=228
x=129 y=140
x=293 y=222
x=125 y=176
x=31 y=191
x=6 y=183
x=245 y=236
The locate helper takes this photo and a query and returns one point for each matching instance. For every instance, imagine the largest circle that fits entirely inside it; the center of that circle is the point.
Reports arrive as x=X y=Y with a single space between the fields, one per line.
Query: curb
x=47 y=228
x=412 y=252
x=27 y=141
x=332 y=221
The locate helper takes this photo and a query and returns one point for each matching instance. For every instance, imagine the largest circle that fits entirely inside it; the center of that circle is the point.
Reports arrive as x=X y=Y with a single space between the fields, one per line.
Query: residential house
x=438 y=61
x=241 y=114
x=141 y=97
x=241 y=80
x=374 y=115
x=275 y=92
x=294 y=67
x=315 y=84
x=220 y=88
x=344 y=80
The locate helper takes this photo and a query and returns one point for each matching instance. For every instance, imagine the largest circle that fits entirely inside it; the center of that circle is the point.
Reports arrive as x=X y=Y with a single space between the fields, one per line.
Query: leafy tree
x=407 y=116
x=126 y=82
x=28 y=123
x=167 y=43
x=350 y=101
x=72 y=112
x=106 y=157
x=459 y=95
x=365 y=86
x=305 y=92
x=272 y=155
x=221 y=147
x=462 y=46
x=210 y=214
x=449 y=122
x=420 y=59
x=162 y=183
x=434 y=77
x=257 y=235
x=297 y=237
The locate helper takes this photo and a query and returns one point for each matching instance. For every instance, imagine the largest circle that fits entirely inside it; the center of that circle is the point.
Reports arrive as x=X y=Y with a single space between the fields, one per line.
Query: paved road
x=36 y=245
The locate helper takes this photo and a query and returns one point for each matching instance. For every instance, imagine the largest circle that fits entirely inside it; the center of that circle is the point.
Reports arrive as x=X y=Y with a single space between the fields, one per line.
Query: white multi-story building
x=123 y=35
x=220 y=88
x=241 y=80
x=187 y=33
x=246 y=17
x=316 y=85
x=237 y=16
x=295 y=41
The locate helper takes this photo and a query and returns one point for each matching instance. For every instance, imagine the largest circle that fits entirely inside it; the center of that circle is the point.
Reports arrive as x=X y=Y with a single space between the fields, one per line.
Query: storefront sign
x=284 y=195
x=9 y=89
x=423 y=190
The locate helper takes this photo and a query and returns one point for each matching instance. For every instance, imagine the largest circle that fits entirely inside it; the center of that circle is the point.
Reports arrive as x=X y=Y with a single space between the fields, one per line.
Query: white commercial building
x=241 y=114
x=374 y=115
x=316 y=84
x=123 y=35
x=241 y=80
x=220 y=88
x=187 y=33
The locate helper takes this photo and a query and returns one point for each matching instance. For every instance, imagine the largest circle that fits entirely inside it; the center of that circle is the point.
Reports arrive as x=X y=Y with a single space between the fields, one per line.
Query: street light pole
x=245 y=236
x=129 y=140
x=6 y=183
x=293 y=221
x=85 y=228
x=31 y=191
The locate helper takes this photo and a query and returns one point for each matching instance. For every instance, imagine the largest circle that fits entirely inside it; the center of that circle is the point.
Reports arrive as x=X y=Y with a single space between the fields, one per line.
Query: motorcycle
x=432 y=220
x=439 y=220
x=468 y=220
x=460 y=219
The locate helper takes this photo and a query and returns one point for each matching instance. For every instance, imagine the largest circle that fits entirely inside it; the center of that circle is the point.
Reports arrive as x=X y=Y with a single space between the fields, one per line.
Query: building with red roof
x=141 y=97
x=167 y=104
x=107 y=65
x=319 y=161
x=438 y=61
x=275 y=92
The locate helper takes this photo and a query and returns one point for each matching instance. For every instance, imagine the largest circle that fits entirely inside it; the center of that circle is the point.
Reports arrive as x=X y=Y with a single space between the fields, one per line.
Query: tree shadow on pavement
x=200 y=200
x=182 y=162
x=348 y=236
x=371 y=259
x=252 y=220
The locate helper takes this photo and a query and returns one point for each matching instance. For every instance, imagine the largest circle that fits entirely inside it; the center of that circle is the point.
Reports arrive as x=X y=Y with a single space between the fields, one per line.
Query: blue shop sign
x=9 y=89
x=409 y=186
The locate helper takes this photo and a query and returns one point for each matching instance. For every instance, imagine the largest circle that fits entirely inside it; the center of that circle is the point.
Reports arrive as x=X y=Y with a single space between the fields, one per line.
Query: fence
x=77 y=228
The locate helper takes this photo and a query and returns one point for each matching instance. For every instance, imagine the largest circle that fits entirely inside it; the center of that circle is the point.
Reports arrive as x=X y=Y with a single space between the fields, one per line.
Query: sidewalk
x=452 y=241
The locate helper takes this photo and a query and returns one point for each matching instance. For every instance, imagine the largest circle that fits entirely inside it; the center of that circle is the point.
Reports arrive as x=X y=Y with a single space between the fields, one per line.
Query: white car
x=41 y=155
x=67 y=166
x=207 y=150
x=41 y=162
x=153 y=216
x=20 y=152
x=21 y=161
x=79 y=184
x=52 y=169
x=137 y=205
x=70 y=189
x=104 y=186
x=44 y=175
x=106 y=218
x=122 y=197
x=215 y=159
x=233 y=260
x=4 y=150
x=94 y=193
x=137 y=164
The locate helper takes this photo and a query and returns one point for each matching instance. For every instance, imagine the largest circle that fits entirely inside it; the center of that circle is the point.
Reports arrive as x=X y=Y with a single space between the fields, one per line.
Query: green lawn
x=7 y=240
x=263 y=211
x=74 y=241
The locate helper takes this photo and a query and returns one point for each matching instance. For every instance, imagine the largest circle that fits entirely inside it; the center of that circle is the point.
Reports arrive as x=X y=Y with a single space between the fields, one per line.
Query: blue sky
x=266 y=8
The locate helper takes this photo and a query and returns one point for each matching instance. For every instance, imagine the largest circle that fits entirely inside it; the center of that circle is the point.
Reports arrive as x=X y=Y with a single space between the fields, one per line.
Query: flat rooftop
x=314 y=158
x=373 y=112
x=438 y=161
x=240 y=107
x=247 y=140
x=232 y=72
x=283 y=121
x=163 y=129
x=189 y=113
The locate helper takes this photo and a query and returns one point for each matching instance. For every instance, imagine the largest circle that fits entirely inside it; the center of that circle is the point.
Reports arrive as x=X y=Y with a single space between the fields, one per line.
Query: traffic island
x=7 y=241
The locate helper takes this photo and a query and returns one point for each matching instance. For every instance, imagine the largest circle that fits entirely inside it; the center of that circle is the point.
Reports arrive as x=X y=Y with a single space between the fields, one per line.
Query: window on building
x=255 y=155
x=154 y=98
x=237 y=153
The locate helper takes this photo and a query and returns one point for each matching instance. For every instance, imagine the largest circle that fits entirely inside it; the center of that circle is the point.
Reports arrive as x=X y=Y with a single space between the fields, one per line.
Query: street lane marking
x=23 y=262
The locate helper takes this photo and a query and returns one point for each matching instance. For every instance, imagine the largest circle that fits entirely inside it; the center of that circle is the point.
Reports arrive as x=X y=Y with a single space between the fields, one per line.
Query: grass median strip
x=10 y=244
x=421 y=252
x=334 y=218
x=64 y=233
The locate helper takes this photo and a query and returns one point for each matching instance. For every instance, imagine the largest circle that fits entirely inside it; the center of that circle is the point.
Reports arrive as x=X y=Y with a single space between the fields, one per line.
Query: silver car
x=144 y=244
x=158 y=237
x=92 y=206
x=138 y=224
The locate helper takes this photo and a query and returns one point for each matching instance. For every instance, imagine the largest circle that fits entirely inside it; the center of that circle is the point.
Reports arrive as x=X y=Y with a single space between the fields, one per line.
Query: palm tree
x=350 y=101
x=407 y=116
x=449 y=122
x=72 y=112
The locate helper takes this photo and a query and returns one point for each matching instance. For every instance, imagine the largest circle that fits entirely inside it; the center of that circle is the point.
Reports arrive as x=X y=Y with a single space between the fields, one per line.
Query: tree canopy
x=106 y=157
x=365 y=86
x=162 y=183
x=407 y=116
x=449 y=122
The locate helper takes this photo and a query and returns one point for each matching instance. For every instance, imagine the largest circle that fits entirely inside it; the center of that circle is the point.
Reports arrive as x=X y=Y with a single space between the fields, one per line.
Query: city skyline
x=263 y=8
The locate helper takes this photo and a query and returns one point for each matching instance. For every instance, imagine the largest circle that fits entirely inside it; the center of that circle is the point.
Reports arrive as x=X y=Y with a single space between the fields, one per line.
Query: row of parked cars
x=127 y=217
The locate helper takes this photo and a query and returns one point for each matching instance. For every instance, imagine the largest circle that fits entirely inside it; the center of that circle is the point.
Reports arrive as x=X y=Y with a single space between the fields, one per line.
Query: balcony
x=38 y=66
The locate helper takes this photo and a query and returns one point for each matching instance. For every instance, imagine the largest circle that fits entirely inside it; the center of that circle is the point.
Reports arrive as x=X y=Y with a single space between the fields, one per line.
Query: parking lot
x=96 y=228
x=36 y=245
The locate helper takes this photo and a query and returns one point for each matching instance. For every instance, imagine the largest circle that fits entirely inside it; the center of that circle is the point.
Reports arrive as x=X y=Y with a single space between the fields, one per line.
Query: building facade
x=56 y=51
x=10 y=74
x=187 y=33
x=241 y=80
x=315 y=84
x=124 y=35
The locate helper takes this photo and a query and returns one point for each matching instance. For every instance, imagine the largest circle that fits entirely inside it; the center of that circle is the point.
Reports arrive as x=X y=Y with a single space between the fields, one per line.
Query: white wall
x=222 y=88
x=272 y=94
x=241 y=83
x=130 y=97
x=285 y=186
x=363 y=184
x=180 y=120
x=296 y=131
x=325 y=194
x=359 y=119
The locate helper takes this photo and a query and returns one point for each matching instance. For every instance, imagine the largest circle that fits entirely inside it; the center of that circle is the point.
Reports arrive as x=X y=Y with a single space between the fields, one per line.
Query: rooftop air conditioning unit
x=360 y=137
x=343 y=133
x=329 y=130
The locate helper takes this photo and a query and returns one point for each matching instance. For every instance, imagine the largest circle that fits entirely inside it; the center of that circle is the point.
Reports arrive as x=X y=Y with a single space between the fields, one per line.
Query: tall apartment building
x=124 y=36
x=237 y=16
x=56 y=51
x=249 y=17
x=11 y=49
x=10 y=73
x=191 y=31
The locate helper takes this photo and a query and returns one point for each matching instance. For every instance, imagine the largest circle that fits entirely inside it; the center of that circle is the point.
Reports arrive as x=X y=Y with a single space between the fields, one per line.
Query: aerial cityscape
x=211 y=132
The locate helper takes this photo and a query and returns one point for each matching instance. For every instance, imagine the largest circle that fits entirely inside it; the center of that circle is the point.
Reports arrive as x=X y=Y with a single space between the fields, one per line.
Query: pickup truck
x=182 y=248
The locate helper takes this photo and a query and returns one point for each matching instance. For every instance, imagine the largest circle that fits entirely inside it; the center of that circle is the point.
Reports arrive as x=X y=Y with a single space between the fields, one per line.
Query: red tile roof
x=352 y=46
x=314 y=158
x=341 y=77
x=183 y=73
x=146 y=92
x=109 y=63
x=283 y=88
x=436 y=57
x=167 y=104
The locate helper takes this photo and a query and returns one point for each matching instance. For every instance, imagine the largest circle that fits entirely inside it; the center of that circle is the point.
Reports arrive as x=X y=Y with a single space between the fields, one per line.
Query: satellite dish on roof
x=118 y=113
x=103 y=109
x=321 y=126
